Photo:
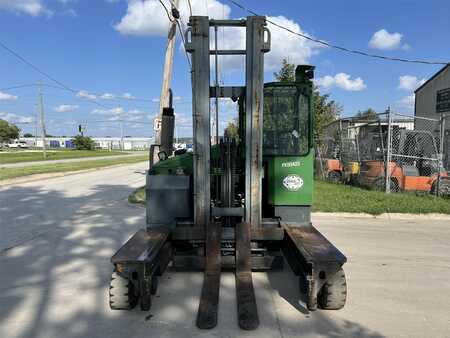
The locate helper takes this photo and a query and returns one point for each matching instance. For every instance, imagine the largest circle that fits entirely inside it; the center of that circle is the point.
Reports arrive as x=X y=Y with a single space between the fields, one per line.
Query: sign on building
x=443 y=101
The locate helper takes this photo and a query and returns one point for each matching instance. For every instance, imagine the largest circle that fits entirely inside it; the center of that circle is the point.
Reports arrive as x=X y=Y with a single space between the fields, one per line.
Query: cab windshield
x=286 y=121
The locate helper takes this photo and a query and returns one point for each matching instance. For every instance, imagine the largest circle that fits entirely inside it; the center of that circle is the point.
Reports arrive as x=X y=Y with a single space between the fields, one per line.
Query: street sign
x=157 y=124
x=443 y=101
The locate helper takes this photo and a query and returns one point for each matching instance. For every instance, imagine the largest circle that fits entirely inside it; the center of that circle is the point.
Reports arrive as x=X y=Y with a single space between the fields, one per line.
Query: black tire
x=146 y=303
x=333 y=294
x=394 y=187
x=334 y=177
x=121 y=293
x=380 y=185
x=444 y=188
x=302 y=284
x=154 y=286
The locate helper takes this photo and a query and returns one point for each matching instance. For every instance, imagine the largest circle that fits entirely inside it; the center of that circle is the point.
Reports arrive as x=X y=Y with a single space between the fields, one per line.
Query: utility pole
x=167 y=73
x=41 y=110
x=388 y=153
x=36 y=123
x=121 y=129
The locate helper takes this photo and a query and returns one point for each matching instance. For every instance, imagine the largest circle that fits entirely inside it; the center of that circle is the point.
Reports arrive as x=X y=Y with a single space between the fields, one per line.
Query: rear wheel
x=154 y=286
x=444 y=188
x=333 y=294
x=380 y=184
x=121 y=293
x=334 y=177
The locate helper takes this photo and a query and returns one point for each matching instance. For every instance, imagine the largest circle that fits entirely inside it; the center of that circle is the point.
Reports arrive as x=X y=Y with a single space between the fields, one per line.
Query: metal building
x=433 y=102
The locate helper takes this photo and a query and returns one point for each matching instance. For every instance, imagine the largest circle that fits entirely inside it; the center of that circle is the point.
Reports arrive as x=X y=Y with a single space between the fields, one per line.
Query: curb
x=38 y=177
x=387 y=216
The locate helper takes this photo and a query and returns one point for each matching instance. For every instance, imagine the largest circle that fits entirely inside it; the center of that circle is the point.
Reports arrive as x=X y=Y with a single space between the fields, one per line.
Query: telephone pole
x=121 y=129
x=167 y=74
x=41 y=111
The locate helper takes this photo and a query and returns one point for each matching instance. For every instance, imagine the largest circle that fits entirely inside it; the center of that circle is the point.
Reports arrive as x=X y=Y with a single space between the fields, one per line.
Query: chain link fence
x=391 y=152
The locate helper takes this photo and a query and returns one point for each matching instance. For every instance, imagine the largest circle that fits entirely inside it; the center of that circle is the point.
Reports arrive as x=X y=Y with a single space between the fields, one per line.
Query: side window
x=286 y=121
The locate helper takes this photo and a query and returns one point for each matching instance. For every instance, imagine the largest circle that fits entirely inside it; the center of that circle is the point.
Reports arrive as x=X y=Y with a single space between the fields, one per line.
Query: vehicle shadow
x=56 y=268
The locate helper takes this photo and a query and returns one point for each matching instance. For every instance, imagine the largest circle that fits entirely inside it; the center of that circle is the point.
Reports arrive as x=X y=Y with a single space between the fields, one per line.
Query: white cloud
x=7 y=97
x=112 y=111
x=341 y=80
x=409 y=82
x=406 y=102
x=31 y=7
x=64 y=108
x=14 y=118
x=128 y=96
x=70 y=12
x=117 y=113
x=108 y=96
x=147 y=17
x=283 y=45
x=84 y=94
x=384 y=40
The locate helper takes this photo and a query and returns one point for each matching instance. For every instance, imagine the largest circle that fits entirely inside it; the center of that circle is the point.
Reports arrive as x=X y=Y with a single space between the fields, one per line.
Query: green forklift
x=243 y=204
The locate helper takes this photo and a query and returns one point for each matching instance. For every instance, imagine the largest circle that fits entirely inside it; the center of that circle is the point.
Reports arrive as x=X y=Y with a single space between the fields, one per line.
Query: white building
x=107 y=143
x=433 y=102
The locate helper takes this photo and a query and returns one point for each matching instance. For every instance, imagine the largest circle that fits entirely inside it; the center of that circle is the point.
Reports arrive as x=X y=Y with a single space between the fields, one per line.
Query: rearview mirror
x=162 y=155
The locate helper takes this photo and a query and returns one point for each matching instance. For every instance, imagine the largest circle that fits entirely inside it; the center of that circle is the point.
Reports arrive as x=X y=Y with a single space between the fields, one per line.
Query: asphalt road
x=66 y=160
x=61 y=233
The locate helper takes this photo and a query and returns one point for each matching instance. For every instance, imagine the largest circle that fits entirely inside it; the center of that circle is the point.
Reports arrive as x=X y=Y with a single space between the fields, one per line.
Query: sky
x=110 y=53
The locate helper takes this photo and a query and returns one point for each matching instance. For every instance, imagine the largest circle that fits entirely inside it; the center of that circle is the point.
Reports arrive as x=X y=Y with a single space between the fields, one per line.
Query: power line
x=177 y=18
x=190 y=7
x=99 y=96
x=166 y=10
x=184 y=44
x=19 y=86
x=340 y=48
x=37 y=69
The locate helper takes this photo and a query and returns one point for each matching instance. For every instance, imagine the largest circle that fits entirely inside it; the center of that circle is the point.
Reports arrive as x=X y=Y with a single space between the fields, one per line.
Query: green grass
x=329 y=197
x=18 y=156
x=7 y=173
x=138 y=196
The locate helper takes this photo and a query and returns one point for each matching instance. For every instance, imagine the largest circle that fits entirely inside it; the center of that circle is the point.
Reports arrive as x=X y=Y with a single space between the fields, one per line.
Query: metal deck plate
x=142 y=246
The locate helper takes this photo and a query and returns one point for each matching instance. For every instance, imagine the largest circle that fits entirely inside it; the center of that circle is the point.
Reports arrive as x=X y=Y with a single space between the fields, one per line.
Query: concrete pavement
x=61 y=233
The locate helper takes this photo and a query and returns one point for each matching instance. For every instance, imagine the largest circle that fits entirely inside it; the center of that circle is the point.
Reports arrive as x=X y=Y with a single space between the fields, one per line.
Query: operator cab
x=287 y=147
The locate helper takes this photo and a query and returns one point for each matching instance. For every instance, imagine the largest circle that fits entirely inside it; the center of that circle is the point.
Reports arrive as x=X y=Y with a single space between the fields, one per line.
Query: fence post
x=441 y=152
x=388 y=153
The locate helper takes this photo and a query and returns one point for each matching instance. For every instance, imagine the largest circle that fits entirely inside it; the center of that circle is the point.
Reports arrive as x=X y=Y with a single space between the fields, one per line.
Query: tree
x=232 y=130
x=368 y=115
x=28 y=135
x=83 y=142
x=286 y=73
x=325 y=110
x=8 y=131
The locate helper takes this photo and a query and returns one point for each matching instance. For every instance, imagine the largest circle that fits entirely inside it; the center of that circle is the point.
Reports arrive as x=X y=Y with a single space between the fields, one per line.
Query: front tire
x=121 y=293
x=333 y=294
x=334 y=177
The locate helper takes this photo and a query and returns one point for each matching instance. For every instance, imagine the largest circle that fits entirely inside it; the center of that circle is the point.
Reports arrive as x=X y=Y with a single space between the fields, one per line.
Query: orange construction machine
x=414 y=162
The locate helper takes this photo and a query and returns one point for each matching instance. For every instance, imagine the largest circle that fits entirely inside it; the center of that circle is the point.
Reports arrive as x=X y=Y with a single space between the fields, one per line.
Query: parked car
x=18 y=144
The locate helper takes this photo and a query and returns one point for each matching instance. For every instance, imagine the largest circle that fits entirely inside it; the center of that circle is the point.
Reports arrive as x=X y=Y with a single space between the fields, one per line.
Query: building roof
x=433 y=77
